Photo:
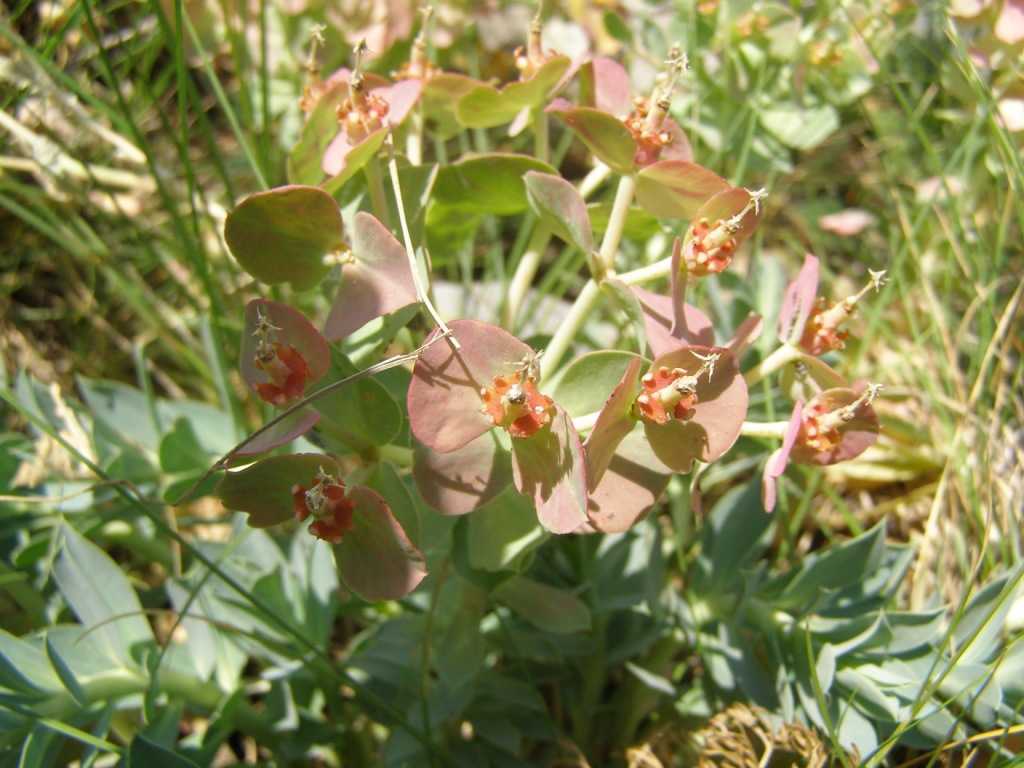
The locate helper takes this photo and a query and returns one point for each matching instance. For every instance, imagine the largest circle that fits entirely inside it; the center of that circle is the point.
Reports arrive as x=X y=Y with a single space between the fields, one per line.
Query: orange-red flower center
x=815 y=431
x=515 y=406
x=288 y=373
x=710 y=248
x=668 y=393
x=327 y=503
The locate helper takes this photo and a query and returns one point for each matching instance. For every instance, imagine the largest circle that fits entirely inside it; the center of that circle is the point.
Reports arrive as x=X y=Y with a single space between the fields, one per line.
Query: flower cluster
x=326 y=501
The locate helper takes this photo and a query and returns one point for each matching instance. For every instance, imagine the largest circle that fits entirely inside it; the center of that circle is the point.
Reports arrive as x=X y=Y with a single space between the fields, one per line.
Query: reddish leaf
x=716 y=417
x=282 y=433
x=291 y=331
x=463 y=480
x=614 y=422
x=674 y=189
x=605 y=86
x=602 y=133
x=379 y=282
x=561 y=208
x=444 y=394
x=799 y=301
x=776 y=464
x=284 y=234
x=349 y=160
x=629 y=488
x=549 y=468
x=376 y=560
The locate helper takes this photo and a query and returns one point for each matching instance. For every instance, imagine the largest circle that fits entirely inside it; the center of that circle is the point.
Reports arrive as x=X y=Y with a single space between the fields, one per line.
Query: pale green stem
x=581 y=310
x=414 y=138
x=648 y=273
x=421 y=288
x=616 y=223
x=541 y=150
x=378 y=197
x=780 y=358
x=526 y=270
x=772 y=429
x=597 y=176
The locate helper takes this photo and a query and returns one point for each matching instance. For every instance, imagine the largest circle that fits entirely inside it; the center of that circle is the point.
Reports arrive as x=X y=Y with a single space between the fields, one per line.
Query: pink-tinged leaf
x=264 y=490
x=630 y=487
x=605 y=86
x=444 y=394
x=491 y=183
x=379 y=282
x=728 y=203
x=282 y=433
x=306 y=158
x=463 y=480
x=548 y=467
x=678 y=148
x=562 y=209
x=857 y=433
x=342 y=161
x=716 y=417
x=777 y=461
x=614 y=422
x=801 y=383
x=748 y=332
x=441 y=94
x=658 y=316
x=283 y=235
x=376 y=560
x=401 y=97
x=603 y=134
x=674 y=189
x=799 y=301
x=486 y=107
x=291 y=333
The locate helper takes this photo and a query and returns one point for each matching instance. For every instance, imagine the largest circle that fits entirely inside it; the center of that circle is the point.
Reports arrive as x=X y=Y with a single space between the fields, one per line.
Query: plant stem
x=541 y=150
x=781 y=357
x=646 y=274
x=616 y=224
x=574 y=321
x=525 y=272
x=775 y=429
x=378 y=198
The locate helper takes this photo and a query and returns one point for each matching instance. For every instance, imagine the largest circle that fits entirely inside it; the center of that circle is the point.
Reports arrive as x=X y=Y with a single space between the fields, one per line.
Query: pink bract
x=377 y=282
x=714 y=416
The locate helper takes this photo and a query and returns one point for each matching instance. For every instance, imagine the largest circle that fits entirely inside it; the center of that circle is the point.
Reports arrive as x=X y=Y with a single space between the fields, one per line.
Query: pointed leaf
x=548 y=466
x=283 y=235
x=306 y=158
x=603 y=134
x=283 y=432
x=799 y=301
x=100 y=595
x=547 y=607
x=631 y=485
x=485 y=107
x=376 y=560
x=352 y=158
x=614 y=422
x=675 y=189
x=561 y=208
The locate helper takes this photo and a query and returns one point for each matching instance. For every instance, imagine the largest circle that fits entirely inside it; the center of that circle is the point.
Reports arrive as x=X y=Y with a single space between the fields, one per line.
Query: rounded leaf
x=290 y=329
x=674 y=189
x=716 y=417
x=376 y=560
x=284 y=235
x=264 y=490
x=461 y=481
x=444 y=394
